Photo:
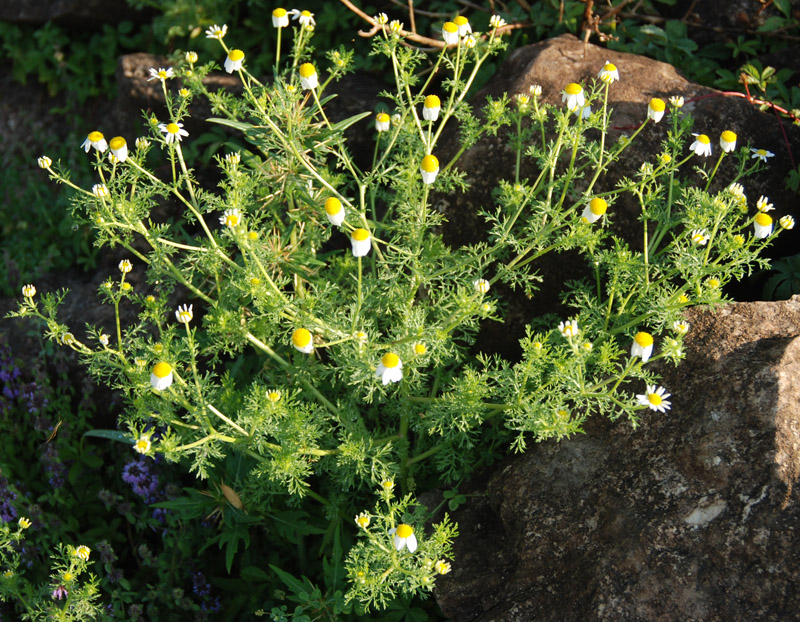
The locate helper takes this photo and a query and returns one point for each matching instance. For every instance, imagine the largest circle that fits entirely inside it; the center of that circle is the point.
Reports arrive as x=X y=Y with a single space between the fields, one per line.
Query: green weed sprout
x=323 y=331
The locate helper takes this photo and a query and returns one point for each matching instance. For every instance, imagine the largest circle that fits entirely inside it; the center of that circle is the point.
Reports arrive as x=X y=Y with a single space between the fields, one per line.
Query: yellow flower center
x=307 y=70
x=162 y=369
x=657 y=105
x=598 y=206
x=460 y=20
x=683 y=299
x=273 y=396
x=430 y=164
x=703 y=139
x=383 y=117
x=713 y=283
x=450 y=28
x=763 y=219
x=404 y=531
x=390 y=360
x=432 y=101
x=173 y=128
x=644 y=339
x=573 y=89
x=232 y=220
x=279 y=13
x=142 y=445
x=117 y=143
x=610 y=67
x=728 y=136
x=654 y=399
x=252 y=235
x=95 y=137
x=420 y=348
x=301 y=337
x=305 y=14
x=255 y=281
x=67 y=577
x=333 y=206
x=360 y=235
x=236 y=55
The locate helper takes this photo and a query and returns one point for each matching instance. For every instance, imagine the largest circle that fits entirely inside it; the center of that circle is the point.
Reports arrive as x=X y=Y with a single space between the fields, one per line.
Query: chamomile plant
x=306 y=321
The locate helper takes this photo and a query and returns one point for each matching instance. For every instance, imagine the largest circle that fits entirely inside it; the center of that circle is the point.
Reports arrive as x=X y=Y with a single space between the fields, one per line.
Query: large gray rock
x=689 y=517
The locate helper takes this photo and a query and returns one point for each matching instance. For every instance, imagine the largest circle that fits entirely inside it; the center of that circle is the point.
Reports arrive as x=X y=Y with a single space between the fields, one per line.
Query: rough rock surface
x=689 y=517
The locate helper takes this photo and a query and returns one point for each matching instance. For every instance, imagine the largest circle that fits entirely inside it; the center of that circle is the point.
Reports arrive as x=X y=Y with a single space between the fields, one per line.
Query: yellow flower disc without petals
x=236 y=55
x=657 y=104
x=432 y=101
x=573 y=89
x=728 y=136
x=390 y=360
x=307 y=70
x=279 y=13
x=702 y=138
x=162 y=369
x=763 y=219
x=404 y=531
x=644 y=339
x=301 y=337
x=95 y=137
x=117 y=143
x=360 y=235
x=450 y=27
x=333 y=206
x=598 y=206
x=430 y=164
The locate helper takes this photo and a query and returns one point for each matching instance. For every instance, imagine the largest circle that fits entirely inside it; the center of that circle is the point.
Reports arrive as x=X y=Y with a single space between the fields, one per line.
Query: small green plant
x=303 y=341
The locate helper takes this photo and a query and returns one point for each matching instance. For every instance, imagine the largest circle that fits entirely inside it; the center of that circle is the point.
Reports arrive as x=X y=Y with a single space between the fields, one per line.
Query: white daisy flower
x=470 y=41
x=429 y=168
x=304 y=18
x=676 y=101
x=609 y=73
x=173 y=132
x=96 y=140
x=761 y=154
x=83 y=552
x=161 y=74
x=303 y=341
x=234 y=60
x=396 y=27
x=404 y=537
x=382 y=18
x=787 y=222
x=280 y=18
x=191 y=57
x=142 y=143
x=655 y=398
x=680 y=326
x=100 y=190
x=215 y=32
x=594 y=210
x=44 y=162
x=655 y=109
x=642 y=346
x=481 y=286
x=142 y=445
x=382 y=122
x=361 y=242
x=569 y=329
x=335 y=212
x=29 y=291
x=737 y=190
x=450 y=33
x=390 y=369
x=699 y=236
x=762 y=225
x=308 y=76
x=464 y=27
x=727 y=141
x=763 y=204
x=495 y=21
x=701 y=145
x=573 y=96
x=161 y=376
x=231 y=218
x=431 y=108
x=362 y=520
x=184 y=314
x=125 y=266
x=119 y=148
x=442 y=567
x=535 y=90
